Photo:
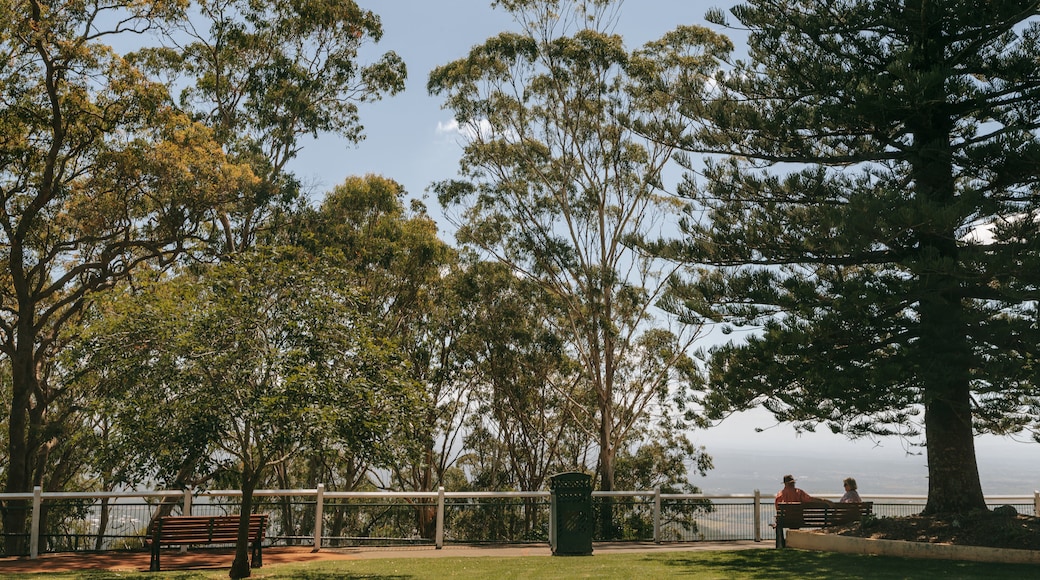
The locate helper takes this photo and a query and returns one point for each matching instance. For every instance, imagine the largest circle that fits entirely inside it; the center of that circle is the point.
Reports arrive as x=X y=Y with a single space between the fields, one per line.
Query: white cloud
x=451 y=127
x=469 y=131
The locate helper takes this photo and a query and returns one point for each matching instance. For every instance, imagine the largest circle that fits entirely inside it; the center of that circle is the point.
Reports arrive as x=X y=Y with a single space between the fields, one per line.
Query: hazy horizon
x=746 y=460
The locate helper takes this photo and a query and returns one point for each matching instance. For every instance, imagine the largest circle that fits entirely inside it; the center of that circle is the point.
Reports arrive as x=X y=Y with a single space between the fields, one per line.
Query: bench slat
x=195 y=530
x=817 y=515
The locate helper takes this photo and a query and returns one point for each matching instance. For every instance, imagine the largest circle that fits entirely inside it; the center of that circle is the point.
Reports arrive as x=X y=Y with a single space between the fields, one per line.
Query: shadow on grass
x=772 y=564
x=343 y=576
x=99 y=575
x=297 y=575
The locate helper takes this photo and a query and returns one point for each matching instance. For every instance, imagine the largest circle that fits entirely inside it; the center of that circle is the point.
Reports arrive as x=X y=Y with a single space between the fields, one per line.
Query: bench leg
x=153 y=565
x=258 y=555
x=780 y=541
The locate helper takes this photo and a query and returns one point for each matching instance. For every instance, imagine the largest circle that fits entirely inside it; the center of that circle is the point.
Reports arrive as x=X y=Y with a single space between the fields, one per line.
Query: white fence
x=653 y=505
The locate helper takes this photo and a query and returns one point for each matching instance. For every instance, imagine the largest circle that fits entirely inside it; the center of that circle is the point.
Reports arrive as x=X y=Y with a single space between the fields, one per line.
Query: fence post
x=657 y=514
x=758 y=516
x=440 y=518
x=34 y=530
x=1036 y=503
x=186 y=511
x=319 y=513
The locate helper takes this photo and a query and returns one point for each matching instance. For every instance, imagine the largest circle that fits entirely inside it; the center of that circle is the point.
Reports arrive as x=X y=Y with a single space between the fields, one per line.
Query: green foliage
x=557 y=184
x=65 y=522
x=870 y=209
x=246 y=365
x=666 y=463
x=393 y=252
x=265 y=75
x=402 y=268
x=525 y=396
x=99 y=175
x=528 y=394
x=505 y=520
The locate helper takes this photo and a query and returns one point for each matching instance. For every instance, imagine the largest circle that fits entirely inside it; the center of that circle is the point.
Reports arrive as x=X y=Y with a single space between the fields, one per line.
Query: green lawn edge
x=739 y=564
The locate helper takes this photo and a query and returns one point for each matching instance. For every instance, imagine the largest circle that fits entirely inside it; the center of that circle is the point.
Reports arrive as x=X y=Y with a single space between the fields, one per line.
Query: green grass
x=748 y=564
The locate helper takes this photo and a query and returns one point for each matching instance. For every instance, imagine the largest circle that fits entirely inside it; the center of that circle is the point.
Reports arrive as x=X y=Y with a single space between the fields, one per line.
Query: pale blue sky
x=408 y=137
x=409 y=140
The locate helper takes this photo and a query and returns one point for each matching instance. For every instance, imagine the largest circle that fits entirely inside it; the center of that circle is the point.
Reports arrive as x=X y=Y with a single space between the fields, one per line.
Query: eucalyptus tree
x=391 y=251
x=529 y=399
x=99 y=174
x=873 y=213
x=529 y=403
x=267 y=74
x=390 y=248
x=257 y=360
x=555 y=183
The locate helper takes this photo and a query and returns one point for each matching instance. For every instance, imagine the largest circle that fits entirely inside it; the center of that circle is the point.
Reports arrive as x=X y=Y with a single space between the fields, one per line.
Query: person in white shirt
x=851 y=495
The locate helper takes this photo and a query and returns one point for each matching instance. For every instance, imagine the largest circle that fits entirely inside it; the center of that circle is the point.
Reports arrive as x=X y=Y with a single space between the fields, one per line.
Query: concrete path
x=458 y=551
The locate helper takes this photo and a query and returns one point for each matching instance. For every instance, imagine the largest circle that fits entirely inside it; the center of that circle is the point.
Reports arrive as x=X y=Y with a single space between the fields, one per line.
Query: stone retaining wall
x=851 y=545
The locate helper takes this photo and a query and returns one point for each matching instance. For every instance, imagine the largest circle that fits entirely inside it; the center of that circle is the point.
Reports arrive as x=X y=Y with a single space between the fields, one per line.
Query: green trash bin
x=570 y=514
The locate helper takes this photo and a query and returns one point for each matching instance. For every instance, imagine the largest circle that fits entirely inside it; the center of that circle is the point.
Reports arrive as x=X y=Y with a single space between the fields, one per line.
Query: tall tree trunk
x=945 y=371
x=285 y=506
x=607 y=436
x=20 y=450
x=426 y=521
x=99 y=540
x=606 y=472
x=240 y=568
x=309 y=514
x=954 y=486
x=953 y=474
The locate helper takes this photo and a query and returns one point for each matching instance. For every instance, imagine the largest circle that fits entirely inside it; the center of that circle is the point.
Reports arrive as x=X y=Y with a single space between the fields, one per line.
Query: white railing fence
x=738 y=516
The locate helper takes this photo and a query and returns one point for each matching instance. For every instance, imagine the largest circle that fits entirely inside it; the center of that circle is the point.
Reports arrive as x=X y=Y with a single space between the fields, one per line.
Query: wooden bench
x=793 y=516
x=199 y=530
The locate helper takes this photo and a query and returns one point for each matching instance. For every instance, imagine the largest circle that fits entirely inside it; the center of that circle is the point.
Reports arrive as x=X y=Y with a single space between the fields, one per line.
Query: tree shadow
x=797 y=564
x=300 y=575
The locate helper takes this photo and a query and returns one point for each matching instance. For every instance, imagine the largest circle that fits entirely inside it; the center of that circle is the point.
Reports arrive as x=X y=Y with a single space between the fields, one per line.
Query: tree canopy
x=99 y=174
x=860 y=202
x=102 y=173
x=264 y=75
x=556 y=183
x=244 y=367
x=402 y=269
x=869 y=205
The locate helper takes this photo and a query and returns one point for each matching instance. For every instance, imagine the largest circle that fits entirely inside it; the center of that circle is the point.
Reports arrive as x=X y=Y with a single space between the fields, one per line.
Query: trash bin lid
x=570 y=480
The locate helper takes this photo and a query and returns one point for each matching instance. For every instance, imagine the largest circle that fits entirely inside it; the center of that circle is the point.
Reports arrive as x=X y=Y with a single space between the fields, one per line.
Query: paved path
x=454 y=551
x=215 y=559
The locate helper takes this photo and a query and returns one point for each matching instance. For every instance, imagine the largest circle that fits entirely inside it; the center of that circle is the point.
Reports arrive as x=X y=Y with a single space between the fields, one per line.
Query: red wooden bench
x=205 y=530
x=792 y=516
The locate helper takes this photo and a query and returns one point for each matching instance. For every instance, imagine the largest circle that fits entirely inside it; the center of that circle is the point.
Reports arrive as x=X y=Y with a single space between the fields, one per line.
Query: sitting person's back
x=791 y=494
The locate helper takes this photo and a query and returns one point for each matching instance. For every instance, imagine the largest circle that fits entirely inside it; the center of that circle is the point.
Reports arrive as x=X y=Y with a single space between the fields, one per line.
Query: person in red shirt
x=791 y=494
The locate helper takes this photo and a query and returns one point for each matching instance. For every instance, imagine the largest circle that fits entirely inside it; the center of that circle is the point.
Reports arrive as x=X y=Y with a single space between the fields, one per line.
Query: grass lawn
x=752 y=564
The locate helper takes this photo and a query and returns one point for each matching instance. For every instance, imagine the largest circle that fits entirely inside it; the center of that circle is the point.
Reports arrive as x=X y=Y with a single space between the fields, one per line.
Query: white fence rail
x=761 y=505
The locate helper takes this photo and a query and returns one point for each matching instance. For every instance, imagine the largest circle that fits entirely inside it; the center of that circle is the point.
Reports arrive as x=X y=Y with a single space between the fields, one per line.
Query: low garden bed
x=997 y=536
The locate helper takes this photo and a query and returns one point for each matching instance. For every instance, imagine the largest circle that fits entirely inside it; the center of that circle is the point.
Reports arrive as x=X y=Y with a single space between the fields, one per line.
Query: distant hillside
x=743 y=471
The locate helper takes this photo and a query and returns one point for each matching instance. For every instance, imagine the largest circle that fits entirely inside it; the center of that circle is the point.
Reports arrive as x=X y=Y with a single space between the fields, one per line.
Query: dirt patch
x=171 y=560
x=996 y=529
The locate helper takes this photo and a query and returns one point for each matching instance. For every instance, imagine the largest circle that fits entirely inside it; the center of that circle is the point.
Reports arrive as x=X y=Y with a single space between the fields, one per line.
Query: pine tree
x=870 y=206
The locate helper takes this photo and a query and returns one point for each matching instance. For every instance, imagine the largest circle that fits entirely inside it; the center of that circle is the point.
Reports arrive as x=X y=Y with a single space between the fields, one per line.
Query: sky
x=412 y=140
x=409 y=137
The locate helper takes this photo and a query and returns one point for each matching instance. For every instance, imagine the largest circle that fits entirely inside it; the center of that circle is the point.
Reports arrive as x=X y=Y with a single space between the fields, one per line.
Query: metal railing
x=92 y=521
